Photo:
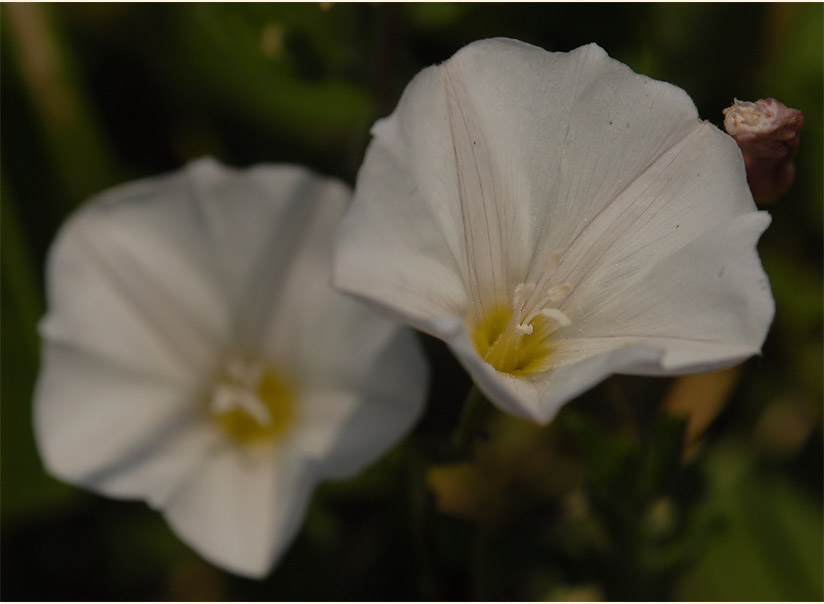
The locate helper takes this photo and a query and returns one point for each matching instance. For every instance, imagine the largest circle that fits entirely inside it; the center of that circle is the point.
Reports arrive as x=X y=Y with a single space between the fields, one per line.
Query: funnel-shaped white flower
x=555 y=217
x=195 y=356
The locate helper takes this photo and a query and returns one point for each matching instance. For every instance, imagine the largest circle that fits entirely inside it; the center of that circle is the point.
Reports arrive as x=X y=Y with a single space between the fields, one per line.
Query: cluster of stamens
x=251 y=402
x=516 y=340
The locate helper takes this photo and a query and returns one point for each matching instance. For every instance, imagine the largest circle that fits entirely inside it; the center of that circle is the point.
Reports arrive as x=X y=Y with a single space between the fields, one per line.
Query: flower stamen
x=251 y=402
x=516 y=340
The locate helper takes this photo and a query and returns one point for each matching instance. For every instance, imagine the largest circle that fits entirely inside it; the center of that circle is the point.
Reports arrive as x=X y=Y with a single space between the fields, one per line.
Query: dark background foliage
x=603 y=503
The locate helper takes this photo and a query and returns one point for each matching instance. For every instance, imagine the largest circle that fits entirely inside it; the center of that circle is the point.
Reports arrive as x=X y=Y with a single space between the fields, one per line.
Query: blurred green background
x=601 y=504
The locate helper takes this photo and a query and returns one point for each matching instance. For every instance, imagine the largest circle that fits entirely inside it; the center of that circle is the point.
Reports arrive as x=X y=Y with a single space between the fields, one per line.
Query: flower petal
x=320 y=340
x=705 y=305
x=153 y=288
x=408 y=207
x=359 y=408
x=131 y=279
x=261 y=222
x=542 y=150
x=115 y=431
x=658 y=327
x=508 y=147
x=539 y=399
x=694 y=186
x=361 y=379
x=240 y=509
x=299 y=312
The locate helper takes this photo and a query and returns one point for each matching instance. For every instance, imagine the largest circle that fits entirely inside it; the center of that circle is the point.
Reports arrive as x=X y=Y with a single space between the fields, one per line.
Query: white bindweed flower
x=195 y=356
x=555 y=218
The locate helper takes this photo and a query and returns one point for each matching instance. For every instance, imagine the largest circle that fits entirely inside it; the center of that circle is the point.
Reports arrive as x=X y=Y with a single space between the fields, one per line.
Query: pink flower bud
x=767 y=134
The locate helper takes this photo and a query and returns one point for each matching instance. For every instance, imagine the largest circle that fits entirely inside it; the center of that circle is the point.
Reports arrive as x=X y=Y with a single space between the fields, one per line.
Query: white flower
x=195 y=356
x=555 y=218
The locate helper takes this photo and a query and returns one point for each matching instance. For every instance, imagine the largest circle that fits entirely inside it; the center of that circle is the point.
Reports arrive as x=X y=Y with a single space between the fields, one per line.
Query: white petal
x=303 y=313
x=115 y=431
x=161 y=274
x=705 y=305
x=240 y=509
x=567 y=132
x=549 y=134
x=597 y=129
x=539 y=399
x=361 y=405
x=580 y=154
x=131 y=278
x=402 y=241
x=361 y=379
x=152 y=288
x=480 y=194
x=696 y=185
x=272 y=225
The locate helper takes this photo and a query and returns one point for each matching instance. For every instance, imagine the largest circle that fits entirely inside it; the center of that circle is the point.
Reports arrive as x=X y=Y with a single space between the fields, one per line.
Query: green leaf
x=770 y=547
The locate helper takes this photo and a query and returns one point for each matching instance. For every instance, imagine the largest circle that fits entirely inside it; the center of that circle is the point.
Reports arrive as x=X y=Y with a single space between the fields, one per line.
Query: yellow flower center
x=516 y=339
x=509 y=350
x=251 y=402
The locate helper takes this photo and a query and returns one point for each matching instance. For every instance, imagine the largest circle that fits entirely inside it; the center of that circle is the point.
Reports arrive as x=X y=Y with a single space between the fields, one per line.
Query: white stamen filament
x=235 y=396
x=239 y=391
x=532 y=299
x=516 y=341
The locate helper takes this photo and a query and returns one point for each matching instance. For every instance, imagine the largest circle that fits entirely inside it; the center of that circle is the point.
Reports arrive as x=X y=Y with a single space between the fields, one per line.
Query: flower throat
x=251 y=402
x=516 y=339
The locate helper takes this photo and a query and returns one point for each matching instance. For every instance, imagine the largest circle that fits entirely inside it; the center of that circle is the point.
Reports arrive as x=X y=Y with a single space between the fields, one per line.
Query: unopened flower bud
x=767 y=133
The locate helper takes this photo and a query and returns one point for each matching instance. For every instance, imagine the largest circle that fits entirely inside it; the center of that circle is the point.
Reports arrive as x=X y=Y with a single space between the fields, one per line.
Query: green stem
x=421 y=531
x=473 y=417
x=79 y=148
